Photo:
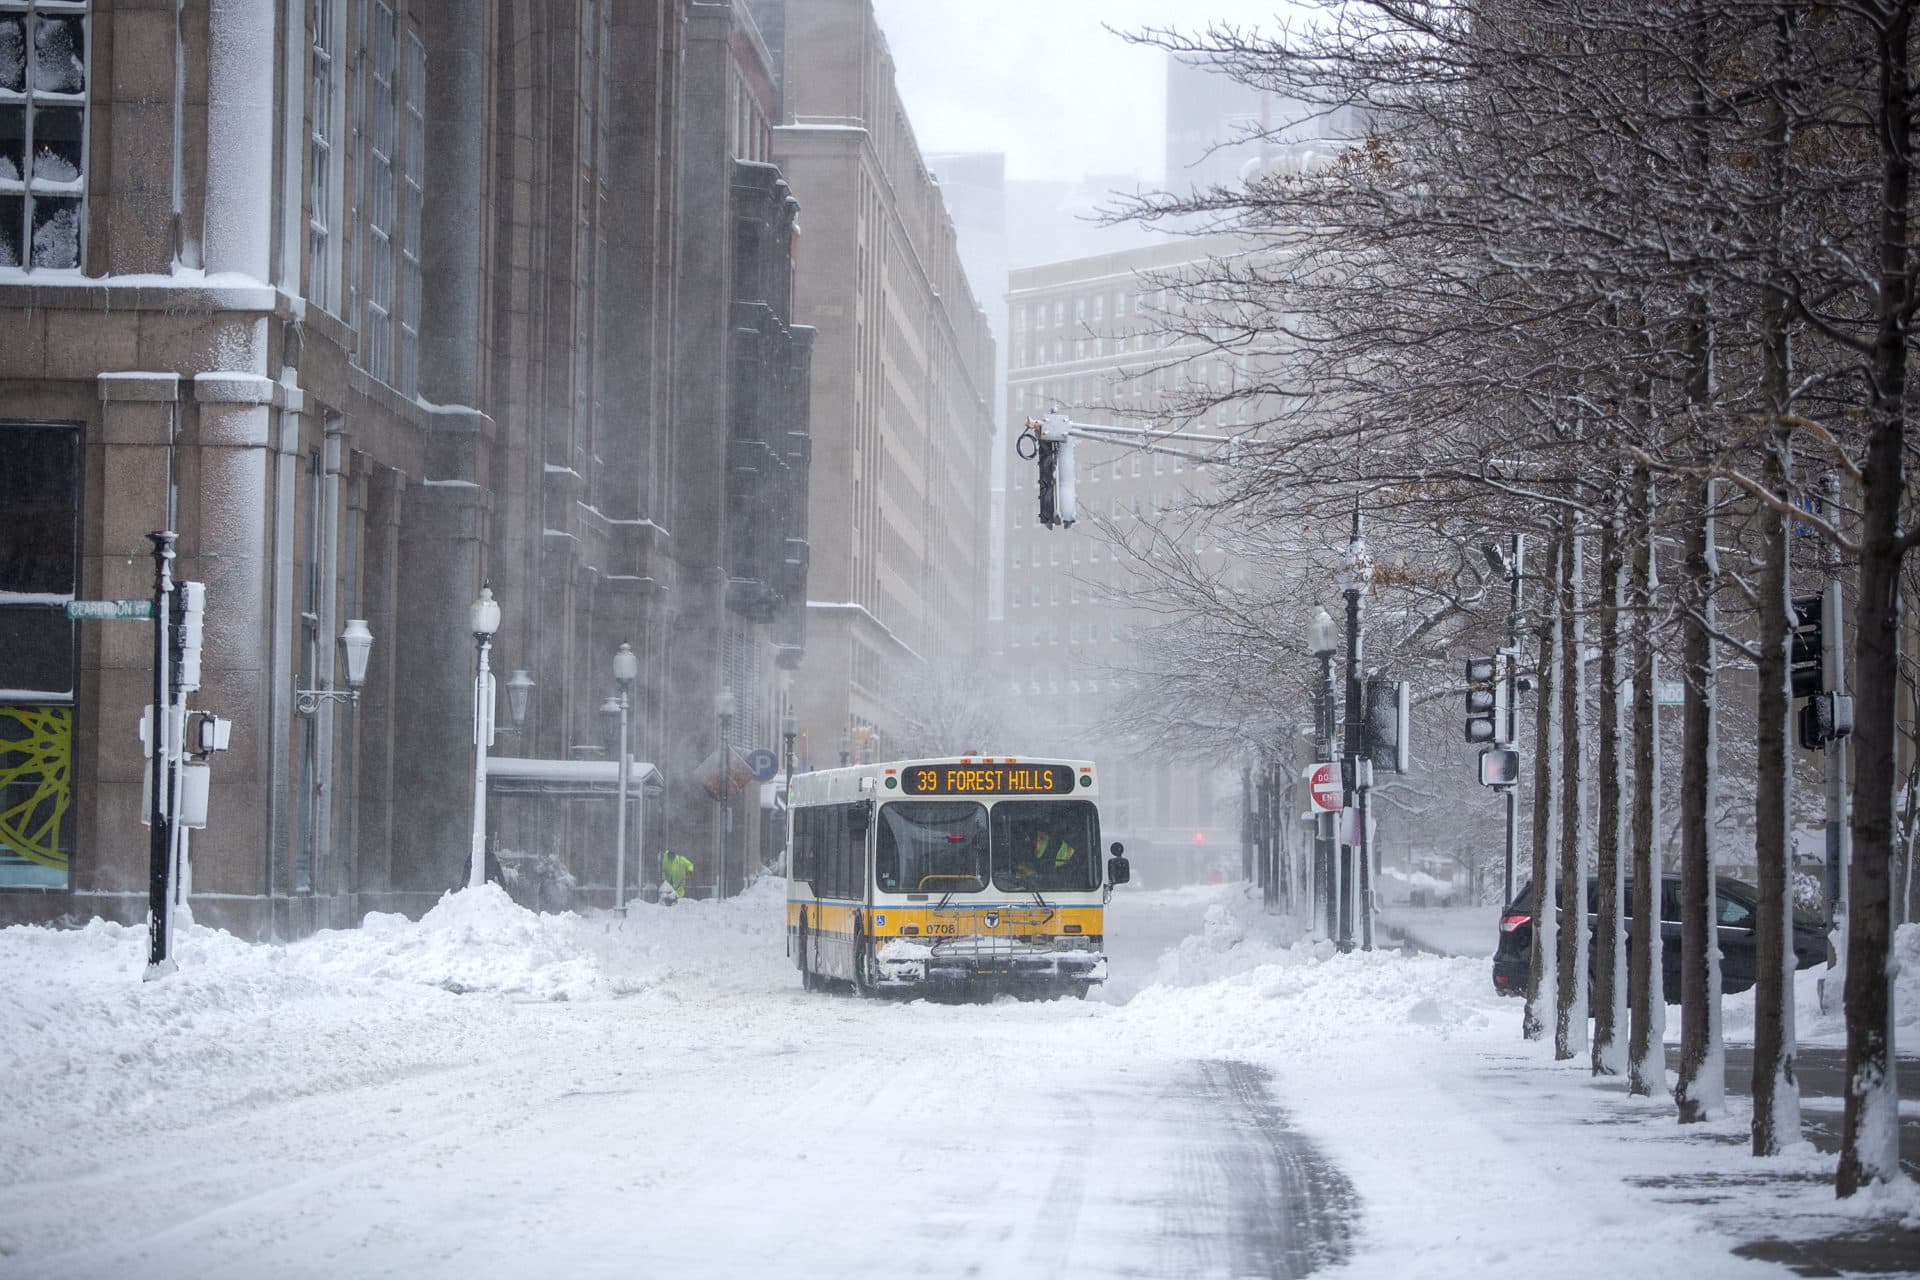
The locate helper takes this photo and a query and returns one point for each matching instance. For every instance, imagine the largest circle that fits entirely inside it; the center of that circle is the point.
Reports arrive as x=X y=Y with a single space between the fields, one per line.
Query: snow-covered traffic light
x=1804 y=660
x=1483 y=700
x=1049 y=443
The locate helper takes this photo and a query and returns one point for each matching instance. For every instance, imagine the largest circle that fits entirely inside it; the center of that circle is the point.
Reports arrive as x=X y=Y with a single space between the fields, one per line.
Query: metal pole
x=1513 y=710
x=726 y=806
x=1324 y=836
x=620 y=819
x=159 y=827
x=1833 y=671
x=1350 y=748
x=482 y=738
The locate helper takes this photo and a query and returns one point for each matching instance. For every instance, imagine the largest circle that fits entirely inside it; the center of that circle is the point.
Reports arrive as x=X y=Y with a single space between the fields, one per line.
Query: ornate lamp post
x=1323 y=640
x=789 y=729
x=626 y=667
x=483 y=620
x=1354 y=576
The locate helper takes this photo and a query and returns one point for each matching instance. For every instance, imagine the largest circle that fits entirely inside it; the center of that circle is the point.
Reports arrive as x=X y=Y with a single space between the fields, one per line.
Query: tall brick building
x=373 y=301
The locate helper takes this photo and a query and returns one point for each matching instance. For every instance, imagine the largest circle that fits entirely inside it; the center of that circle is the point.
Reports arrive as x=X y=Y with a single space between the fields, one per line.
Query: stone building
x=902 y=388
x=373 y=301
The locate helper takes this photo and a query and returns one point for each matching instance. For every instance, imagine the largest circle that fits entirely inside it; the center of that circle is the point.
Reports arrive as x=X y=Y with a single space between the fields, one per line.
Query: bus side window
x=833 y=845
x=803 y=845
x=858 y=819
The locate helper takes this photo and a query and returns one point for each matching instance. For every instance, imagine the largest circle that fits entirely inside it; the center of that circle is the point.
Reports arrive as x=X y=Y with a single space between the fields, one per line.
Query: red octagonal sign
x=1323 y=788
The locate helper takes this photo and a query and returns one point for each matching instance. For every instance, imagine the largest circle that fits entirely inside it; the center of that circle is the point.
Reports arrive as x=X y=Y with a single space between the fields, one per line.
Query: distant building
x=903 y=381
x=1220 y=130
x=1083 y=342
x=974 y=187
x=374 y=302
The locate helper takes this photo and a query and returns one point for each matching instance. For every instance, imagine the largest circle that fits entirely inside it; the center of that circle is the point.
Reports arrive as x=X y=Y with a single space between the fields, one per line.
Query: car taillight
x=1509 y=923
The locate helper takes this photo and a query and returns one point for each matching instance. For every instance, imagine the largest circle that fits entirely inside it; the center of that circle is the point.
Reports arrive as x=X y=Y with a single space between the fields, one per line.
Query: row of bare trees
x=1632 y=277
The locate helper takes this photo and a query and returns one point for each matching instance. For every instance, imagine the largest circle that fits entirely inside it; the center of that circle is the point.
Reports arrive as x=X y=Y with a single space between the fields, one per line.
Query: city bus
x=972 y=874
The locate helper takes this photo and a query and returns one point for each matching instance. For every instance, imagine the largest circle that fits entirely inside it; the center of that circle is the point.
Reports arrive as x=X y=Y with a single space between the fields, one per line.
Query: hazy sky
x=1042 y=80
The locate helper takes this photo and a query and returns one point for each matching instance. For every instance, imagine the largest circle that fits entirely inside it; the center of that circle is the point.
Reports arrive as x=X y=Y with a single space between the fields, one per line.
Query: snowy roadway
x=491 y=1093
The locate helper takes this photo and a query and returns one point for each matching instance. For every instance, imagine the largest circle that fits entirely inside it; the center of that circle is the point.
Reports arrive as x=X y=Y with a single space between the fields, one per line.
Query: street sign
x=763 y=765
x=93 y=610
x=1323 y=787
x=1669 y=693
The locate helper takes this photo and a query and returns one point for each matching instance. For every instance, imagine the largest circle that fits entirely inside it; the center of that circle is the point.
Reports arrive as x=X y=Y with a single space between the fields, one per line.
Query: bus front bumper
x=905 y=965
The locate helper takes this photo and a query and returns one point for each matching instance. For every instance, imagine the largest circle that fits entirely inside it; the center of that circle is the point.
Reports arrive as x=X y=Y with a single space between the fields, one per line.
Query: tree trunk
x=1646 y=998
x=1541 y=1012
x=1609 y=942
x=1776 y=1095
x=1570 y=1024
x=1701 y=1091
x=1870 y=1132
x=1776 y=1091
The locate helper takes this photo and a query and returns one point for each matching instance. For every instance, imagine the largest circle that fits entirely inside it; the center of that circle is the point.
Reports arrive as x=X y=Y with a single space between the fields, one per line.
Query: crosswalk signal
x=1499 y=767
x=1483 y=700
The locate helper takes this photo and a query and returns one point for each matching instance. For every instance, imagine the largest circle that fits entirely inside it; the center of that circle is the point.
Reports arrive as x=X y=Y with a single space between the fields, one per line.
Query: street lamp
x=625 y=668
x=483 y=619
x=1353 y=576
x=519 y=687
x=358 y=642
x=723 y=709
x=846 y=749
x=1323 y=640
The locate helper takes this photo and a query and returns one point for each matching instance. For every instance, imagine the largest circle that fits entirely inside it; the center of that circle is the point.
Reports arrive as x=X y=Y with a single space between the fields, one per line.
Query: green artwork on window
x=36 y=791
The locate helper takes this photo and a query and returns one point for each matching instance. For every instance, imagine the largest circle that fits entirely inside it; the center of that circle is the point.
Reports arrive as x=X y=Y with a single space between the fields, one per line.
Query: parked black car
x=1738 y=914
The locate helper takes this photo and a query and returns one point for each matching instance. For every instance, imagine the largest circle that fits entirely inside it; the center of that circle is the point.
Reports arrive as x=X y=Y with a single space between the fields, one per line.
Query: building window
x=43 y=133
x=377 y=354
x=414 y=195
x=321 y=158
x=39 y=572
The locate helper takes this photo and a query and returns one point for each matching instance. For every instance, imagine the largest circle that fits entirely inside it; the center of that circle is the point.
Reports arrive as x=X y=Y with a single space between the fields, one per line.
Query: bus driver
x=1049 y=854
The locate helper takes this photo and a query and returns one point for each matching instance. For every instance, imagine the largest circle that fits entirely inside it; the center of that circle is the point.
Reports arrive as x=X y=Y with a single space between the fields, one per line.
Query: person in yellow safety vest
x=674 y=870
x=1049 y=853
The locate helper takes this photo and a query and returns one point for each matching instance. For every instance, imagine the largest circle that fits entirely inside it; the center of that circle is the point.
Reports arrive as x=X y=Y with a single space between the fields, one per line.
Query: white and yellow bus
x=970 y=873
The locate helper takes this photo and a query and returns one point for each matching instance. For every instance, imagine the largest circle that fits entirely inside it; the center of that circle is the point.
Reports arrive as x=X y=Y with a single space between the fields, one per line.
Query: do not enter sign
x=1323 y=788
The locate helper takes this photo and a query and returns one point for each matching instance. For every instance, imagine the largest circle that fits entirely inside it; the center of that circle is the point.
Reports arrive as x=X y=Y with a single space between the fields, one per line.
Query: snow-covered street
x=494 y=1093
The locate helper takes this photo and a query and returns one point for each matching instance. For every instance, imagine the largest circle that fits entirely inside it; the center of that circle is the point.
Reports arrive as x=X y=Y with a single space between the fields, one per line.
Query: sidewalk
x=1841 y=1245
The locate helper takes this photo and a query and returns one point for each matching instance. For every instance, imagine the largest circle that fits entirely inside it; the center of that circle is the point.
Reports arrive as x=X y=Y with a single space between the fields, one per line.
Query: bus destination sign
x=969 y=778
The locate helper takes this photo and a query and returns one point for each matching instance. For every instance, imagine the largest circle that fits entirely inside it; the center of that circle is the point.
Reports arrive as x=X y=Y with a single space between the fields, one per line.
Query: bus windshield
x=1046 y=846
x=932 y=846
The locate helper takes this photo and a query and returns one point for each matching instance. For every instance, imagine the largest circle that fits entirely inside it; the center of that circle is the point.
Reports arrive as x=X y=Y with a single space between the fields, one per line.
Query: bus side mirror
x=859 y=817
x=1118 y=872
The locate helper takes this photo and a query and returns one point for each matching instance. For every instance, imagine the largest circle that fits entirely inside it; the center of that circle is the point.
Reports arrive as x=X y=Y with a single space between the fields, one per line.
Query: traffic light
x=189 y=619
x=1053 y=453
x=1484 y=699
x=1049 y=483
x=1808 y=649
x=1388 y=724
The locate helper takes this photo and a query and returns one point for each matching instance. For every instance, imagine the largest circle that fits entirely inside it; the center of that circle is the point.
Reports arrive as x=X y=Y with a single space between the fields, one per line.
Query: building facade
x=903 y=377
x=373 y=302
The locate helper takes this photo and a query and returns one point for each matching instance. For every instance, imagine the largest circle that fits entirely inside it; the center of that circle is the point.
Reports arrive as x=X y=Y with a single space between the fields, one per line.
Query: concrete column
x=443 y=533
x=236 y=537
x=452 y=237
x=240 y=115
